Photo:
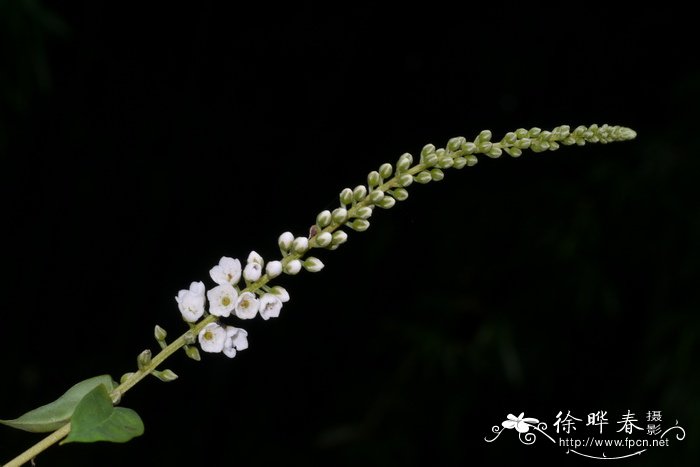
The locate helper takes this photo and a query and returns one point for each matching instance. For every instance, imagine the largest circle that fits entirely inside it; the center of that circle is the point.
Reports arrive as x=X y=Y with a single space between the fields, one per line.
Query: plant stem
x=39 y=447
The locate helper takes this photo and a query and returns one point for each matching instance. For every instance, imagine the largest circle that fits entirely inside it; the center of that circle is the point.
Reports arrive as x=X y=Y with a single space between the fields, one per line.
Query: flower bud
x=429 y=160
x=427 y=149
x=254 y=257
x=404 y=162
x=340 y=215
x=387 y=202
x=437 y=175
x=124 y=377
x=280 y=292
x=374 y=179
x=324 y=239
x=514 y=152
x=472 y=161
x=293 y=267
x=339 y=237
x=312 y=264
x=144 y=359
x=446 y=163
x=509 y=138
x=300 y=244
x=400 y=194
x=455 y=144
x=385 y=170
x=160 y=334
x=494 y=152
x=520 y=133
x=285 y=241
x=534 y=131
x=346 y=196
x=460 y=163
x=165 y=375
x=484 y=136
x=469 y=147
x=192 y=352
x=274 y=268
x=359 y=225
x=359 y=193
x=364 y=212
x=376 y=196
x=323 y=219
x=423 y=177
x=405 y=180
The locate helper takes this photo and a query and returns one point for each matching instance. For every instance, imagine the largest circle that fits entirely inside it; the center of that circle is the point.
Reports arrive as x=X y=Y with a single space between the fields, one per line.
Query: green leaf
x=96 y=419
x=53 y=416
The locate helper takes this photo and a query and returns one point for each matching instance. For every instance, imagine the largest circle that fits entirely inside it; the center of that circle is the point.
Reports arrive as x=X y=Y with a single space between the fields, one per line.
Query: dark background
x=140 y=142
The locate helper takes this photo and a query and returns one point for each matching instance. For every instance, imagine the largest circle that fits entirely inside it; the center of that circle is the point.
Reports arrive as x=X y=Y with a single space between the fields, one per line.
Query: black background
x=140 y=142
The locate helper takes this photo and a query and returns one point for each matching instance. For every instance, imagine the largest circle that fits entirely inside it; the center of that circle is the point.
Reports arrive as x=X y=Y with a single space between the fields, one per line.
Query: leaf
x=53 y=416
x=96 y=419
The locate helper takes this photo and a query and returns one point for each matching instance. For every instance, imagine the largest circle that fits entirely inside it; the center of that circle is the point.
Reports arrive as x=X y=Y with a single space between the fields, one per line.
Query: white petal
x=253 y=257
x=240 y=340
x=252 y=272
x=273 y=269
x=222 y=300
x=281 y=293
x=270 y=306
x=212 y=338
x=508 y=424
x=522 y=427
x=247 y=306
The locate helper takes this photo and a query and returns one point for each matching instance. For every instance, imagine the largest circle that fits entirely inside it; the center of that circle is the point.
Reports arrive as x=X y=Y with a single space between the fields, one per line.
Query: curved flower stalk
x=245 y=291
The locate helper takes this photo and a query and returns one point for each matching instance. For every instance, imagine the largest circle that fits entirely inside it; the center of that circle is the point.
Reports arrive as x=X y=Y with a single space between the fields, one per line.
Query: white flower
x=280 y=292
x=273 y=269
x=222 y=300
x=293 y=267
x=300 y=244
x=212 y=338
x=252 y=272
x=236 y=339
x=228 y=271
x=270 y=306
x=191 y=302
x=522 y=425
x=247 y=306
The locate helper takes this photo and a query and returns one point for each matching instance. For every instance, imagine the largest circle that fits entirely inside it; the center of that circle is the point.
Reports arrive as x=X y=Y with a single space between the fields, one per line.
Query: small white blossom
x=191 y=302
x=270 y=306
x=300 y=244
x=253 y=257
x=285 y=241
x=252 y=272
x=236 y=340
x=222 y=300
x=293 y=267
x=247 y=306
x=312 y=264
x=228 y=271
x=280 y=292
x=273 y=269
x=212 y=338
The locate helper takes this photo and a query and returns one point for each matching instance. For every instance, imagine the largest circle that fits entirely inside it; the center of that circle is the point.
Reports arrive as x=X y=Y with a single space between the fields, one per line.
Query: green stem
x=39 y=447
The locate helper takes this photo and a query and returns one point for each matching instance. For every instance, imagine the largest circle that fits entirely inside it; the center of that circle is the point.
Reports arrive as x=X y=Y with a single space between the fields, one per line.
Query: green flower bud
x=359 y=193
x=285 y=242
x=385 y=170
x=339 y=237
x=495 y=152
x=192 y=352
x=300 y=245
x=324 y=239
x=124 y=377
x=374 y=179
x=405 y=180
x=144 y=359
x=485 y=147
x=190 y=337
x=312 y=264
x=523 y=143
x=520 y=133
x=427 y=150
x=359 y=225
x=509 y=138
x=364 y=212
x=346 y=196
x=483 y=137
x=400 y=194
x=460 y=163
x=437 y=175
x=375 y=196
x=446 y=163
x=387 y=202
x=514 y=152
x=454 y=144
x=534 y=131
x=423 y=177
x=160 y=336
x=404 y=162
x=429 y=160
x=469 y=147
x=165 y=375
x=471 y=161
x=323 y=219
x=339 y=215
